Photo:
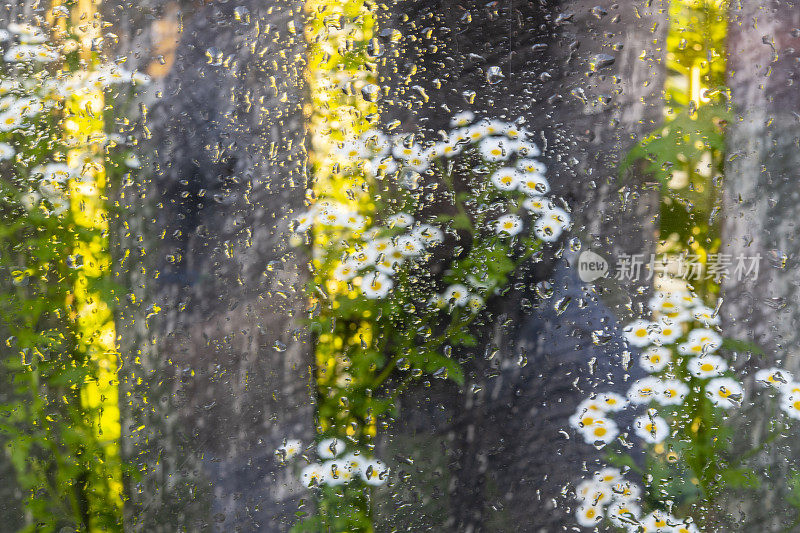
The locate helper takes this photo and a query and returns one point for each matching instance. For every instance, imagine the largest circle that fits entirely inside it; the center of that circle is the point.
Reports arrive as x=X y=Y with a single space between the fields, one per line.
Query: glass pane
x=403 y=266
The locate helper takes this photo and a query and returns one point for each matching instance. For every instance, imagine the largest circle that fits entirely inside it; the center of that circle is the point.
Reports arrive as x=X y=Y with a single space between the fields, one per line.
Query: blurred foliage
x=60 y=418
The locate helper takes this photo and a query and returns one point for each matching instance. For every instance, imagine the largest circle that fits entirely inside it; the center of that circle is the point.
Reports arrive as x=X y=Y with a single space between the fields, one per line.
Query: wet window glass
x=412 y=265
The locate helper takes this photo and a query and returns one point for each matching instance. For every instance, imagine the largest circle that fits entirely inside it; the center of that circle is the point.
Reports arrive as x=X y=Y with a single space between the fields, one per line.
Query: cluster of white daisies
x=27 y=94
x=374 y=259
x=677 y=316
x=787 y=387
x=501 y=144
x=608 y=495
x=337 y=467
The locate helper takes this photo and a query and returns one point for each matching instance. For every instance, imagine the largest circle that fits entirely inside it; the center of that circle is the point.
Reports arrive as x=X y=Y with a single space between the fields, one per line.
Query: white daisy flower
x=353 y=221
x=603 y=431
x=710 y=340
x=376 y=141
x=686 y=299
x=345 y=272
x=708 y=366
x=624 y=514
x=376 y=285
x=353 y=150
x=706 y=316
x=379 y=246
x=7 y=103
x=303 y=221
x=774 y=377
x=508 y=225
x=505 y=179
x=374 y=472
x=594 y=492
x=30 y=52
x=645 y=390
x=673 y=392
x=6 y=151
x=700 y=341
x=533 y=184
x=418 y=162
x=28 y=107
x=725 y=392
x=464 y=118
x=557 y=215
x=409 y=245
x=494 y=127
x=626 y=491
x=584 y=418
x=791 y=388
x=666 y=331
x=7 y=86
x=527 y=149
x=313 y=475
x=537 y=204
x=383 y=167
x=669 y=305
x=611 y=401
x=531 y=166
x=362 y=258
x=428 y=234
x=403 y=151
x=790 y=404
x=637 y=333
x=685 y=527
x=354 y=463
x=337 y=473
x=387 y=264
x=400 y=220
x=445 y=149
x=330 y=215
x=60 y=204
x=289 y=449
x=10 y=120
x=547 y=230
x=330 y=448
x=515 y=133
x=456 y=294
x=57 y=172
x=475 y=133
x=655 y=358
x=659 y=522
x=588 y=515
x=608 y=476
x=651 y=428
x=493 y=149
x=595 y=405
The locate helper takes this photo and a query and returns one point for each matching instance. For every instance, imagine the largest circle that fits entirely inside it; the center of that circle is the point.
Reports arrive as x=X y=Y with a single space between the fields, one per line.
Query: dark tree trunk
x=216 y=363
x=762 y=206
x=492 y=456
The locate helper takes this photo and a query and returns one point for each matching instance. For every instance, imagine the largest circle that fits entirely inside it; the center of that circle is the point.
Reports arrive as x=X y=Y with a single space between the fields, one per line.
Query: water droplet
x=214 y=56
x=371 y=92
x=242 y=14
x=494 y=75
